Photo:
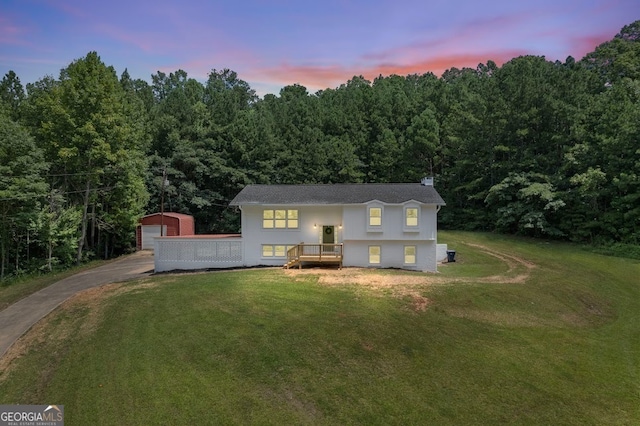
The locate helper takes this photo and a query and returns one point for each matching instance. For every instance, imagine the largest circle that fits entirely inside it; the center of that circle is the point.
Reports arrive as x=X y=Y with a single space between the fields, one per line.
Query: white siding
x=355 y=223
x=356 y=253
x=254 y=236
x=429 y=226
x=353 y=234
x=442 y=252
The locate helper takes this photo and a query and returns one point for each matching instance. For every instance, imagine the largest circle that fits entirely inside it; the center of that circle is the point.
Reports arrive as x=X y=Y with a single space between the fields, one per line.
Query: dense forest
x=532 y=147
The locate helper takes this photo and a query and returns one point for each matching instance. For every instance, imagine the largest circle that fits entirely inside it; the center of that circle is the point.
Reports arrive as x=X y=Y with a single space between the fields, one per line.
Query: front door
x=328 y=237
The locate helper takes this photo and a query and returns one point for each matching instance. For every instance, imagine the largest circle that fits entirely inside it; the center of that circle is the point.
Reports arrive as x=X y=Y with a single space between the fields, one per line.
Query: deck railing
x=314 y=253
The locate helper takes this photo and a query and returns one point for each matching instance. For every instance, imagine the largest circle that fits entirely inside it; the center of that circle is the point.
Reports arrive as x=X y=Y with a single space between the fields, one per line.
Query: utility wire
x=57 y=193
x=68 y=174
x=72 y=174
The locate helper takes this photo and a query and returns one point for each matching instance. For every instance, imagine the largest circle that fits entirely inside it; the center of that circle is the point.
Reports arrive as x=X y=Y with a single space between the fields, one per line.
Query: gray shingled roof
x=357 y=193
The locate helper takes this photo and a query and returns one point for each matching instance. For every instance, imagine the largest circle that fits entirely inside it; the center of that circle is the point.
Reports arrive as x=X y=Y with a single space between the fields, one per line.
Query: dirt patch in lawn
x=369 y=278
x=419 y=303
x=521 y=267
x=519 y=270
x=412 y=285
x=403 y=284
x=92 y=301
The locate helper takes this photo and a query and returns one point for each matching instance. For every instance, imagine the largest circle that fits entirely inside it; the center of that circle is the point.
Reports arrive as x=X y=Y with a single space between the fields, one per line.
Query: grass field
x=515 y=332
x=12 y=290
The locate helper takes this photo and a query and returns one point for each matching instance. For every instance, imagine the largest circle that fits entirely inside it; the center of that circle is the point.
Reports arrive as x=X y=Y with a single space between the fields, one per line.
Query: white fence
x=441 y=252
x=185 y=253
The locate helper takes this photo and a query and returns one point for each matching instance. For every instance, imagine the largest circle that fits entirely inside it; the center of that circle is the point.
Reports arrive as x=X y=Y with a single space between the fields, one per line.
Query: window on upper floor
x=280 y=219
x=411 y=217
x=375 y=216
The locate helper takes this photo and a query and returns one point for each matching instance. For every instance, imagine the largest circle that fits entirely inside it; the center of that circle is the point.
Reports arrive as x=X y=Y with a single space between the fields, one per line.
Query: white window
x=275 y=250
x=375 y=216
x=410 y=255
x=374 y=255
x=411 y=217
x=267 y=219
x=280 y=219
x=292 y=218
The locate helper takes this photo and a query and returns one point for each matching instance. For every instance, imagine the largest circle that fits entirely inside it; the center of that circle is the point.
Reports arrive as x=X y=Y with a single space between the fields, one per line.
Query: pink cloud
x=463 y=48
x=440 y=63
x=581 y=45
x=320 y=77
x=473 y=36
x=12 y=34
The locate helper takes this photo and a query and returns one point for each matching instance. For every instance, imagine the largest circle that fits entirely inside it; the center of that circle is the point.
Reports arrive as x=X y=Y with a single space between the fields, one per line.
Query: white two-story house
x=390 y=225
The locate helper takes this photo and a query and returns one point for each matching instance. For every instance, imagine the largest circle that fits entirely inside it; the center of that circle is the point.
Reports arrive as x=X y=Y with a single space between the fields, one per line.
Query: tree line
x=533 y=147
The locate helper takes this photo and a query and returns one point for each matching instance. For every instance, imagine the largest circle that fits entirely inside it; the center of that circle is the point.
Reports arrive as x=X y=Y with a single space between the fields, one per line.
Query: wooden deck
x=314 y=253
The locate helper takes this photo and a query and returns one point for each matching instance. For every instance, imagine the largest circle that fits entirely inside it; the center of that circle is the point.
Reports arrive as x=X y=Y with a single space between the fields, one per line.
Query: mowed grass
x=14 y=289
x=515 y=332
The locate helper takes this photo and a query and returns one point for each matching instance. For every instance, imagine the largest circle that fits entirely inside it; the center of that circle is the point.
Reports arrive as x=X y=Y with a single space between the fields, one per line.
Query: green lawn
x=12 y=290
x=552 y=337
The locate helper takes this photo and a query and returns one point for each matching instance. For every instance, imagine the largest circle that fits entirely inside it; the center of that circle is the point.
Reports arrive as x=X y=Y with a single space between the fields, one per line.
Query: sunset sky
x=318 y=44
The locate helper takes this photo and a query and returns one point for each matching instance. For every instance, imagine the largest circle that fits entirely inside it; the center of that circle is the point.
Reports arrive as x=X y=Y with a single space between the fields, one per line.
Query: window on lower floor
x=275 y=250
x=374 y=255
x=410 y=255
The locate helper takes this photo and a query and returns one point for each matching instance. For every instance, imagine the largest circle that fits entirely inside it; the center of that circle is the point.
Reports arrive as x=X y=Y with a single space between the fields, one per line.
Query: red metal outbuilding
x=173 y=224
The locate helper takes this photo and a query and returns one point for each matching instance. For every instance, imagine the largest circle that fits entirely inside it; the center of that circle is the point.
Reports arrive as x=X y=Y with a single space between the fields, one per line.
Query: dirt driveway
x=18 y=318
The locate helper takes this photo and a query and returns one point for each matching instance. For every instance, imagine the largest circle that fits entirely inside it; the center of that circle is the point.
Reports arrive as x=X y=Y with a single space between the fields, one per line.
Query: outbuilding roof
x=348 y=193
x=170 y=214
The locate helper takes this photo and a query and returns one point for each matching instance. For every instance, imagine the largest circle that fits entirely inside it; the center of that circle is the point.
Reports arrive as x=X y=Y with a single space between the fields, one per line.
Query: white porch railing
x=184 y=253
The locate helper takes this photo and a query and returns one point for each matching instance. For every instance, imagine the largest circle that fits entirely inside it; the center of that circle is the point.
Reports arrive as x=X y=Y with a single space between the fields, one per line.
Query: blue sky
x=319 y=44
